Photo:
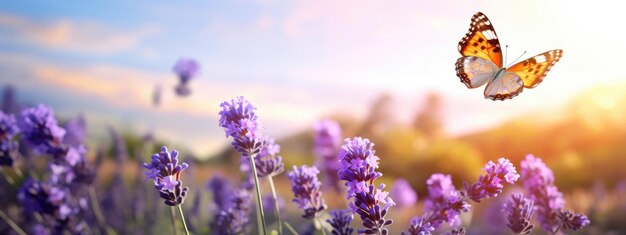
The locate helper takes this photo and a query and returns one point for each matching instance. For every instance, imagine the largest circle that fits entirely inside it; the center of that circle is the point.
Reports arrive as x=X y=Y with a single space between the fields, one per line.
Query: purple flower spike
x=538 y=181
x=221 y=189
x=419 y=226
x=76 y=131
x=267 y=162
x=443 y=202
x=186 y=69
x=306 y=190
x=234 y=219
x=403 y=194
x=573 y=221
x=8 y=144
x=40 y=129
x=340 y=221
x=456 y=231
x=519 y=212
x=358 y=164
x=55 y=204
x=165 y=171
x=327 y=141
x=327 y=137
x=490 y=185
x=240 y=122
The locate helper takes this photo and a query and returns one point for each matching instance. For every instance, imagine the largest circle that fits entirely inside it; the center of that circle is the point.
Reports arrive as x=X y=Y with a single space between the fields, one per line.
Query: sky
x=297 y=61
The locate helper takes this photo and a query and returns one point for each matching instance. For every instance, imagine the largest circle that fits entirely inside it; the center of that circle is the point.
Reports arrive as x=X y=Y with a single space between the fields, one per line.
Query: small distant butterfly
x=482 y=63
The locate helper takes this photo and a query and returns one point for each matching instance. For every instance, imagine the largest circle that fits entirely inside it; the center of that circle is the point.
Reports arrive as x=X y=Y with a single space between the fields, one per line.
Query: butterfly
x=481 y=63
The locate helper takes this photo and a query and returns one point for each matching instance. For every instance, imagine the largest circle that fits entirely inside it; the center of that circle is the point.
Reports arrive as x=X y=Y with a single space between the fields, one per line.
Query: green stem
x=321 y=226
x=6 y=176
x=173 y=213
x=276 y=209
x=258 y=216
x=18 y=172
x=291 y=229
x=97 y=211
x=258 y=194
x=11 y=223
x=182 y=217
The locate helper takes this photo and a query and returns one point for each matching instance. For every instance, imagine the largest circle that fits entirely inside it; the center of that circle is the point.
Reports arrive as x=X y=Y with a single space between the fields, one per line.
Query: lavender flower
x=444 y=202
x=519 y=212
x=573 y=221
x=185 y=69
x=39 y=229
x=234 y=219
x=267 y=161
x=221 y=189
x=40 y=129
x=327 y=138
x=9 y=103
x=76 y=132
x=403 y=194
x=357 y=167
x=240 y=122
x=489 y=185
x=53 y=203
x=419 y=226
x=306 y=190
x=165 y=171
x=538 y=181
x=8 y=144
x=340 y=221
x=456 y=231
x=35 y=197
x=327 y=141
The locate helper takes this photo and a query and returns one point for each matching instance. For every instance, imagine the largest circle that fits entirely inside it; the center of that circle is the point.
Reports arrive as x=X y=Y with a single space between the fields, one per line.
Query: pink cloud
x=81 y=37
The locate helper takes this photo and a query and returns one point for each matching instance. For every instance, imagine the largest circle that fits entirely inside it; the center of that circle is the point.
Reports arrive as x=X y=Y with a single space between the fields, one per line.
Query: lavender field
x=272 y=117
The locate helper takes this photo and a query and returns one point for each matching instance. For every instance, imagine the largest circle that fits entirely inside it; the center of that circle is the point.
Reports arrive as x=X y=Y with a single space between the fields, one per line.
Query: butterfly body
x=481 y=63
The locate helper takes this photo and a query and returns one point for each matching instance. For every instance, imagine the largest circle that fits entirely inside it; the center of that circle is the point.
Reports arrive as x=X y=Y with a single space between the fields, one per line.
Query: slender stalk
x=258 y=194
x=18 y=172
x=182 y=217
x=96 y=207
x=97 y=211
x=321 y=226
x=291 y=229
x=258 y=216
x=556 y=231
x=11 y=223
x=6 y=176
x=173 y=212
x=276 y=209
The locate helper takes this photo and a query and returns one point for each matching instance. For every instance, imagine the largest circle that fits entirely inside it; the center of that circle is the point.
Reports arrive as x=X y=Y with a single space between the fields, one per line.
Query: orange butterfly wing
x=481 y=40
x=533 y=70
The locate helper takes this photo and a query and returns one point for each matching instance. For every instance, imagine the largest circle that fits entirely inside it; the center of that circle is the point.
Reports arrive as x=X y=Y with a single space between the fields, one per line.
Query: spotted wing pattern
x=475 y=71
x=533 y=70
x=481 y=40
x=505 y=86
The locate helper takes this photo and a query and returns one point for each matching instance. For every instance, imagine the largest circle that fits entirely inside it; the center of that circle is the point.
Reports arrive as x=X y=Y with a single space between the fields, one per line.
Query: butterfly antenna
x=517 y=58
